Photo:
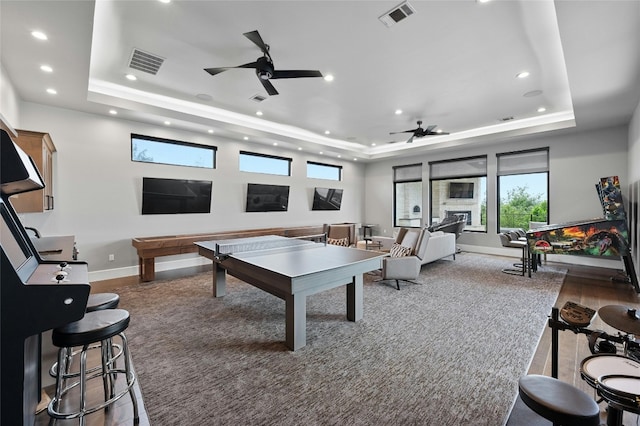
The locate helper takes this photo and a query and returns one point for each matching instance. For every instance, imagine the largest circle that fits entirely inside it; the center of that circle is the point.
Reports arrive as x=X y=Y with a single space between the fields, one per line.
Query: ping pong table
x=292 y=269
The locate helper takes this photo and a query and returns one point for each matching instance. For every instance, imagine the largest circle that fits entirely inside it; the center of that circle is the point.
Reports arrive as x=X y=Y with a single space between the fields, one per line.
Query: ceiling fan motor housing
x=264 y=70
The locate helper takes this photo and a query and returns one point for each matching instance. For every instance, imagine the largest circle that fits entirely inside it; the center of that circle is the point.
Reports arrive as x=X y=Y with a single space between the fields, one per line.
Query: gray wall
x=98 y=189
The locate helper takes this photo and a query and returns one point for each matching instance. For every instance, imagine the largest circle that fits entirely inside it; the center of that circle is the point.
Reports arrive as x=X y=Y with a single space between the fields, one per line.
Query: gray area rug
x=447 y=351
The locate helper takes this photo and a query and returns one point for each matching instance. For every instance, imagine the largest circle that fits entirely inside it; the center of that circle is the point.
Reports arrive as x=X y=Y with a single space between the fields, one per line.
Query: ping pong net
x=226 y=248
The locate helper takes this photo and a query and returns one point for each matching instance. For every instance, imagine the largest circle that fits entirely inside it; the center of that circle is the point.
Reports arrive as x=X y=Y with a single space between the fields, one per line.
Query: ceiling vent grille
x=146 y=62
x=397 y=14
x=258 y=98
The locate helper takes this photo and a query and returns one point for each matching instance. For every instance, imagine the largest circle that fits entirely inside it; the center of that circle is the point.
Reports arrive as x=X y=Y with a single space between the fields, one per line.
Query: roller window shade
x=523 y=162
x=410 y=173
x=466 y=167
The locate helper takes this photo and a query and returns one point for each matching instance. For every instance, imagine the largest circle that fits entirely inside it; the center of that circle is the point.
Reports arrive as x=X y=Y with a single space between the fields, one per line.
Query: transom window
x=323 y=171
x=147 y=149
x=263 y=163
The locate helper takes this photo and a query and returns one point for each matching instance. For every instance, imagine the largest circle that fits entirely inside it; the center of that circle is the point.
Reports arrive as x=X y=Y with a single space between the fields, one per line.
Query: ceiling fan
x=264 y=66
x=420 y=132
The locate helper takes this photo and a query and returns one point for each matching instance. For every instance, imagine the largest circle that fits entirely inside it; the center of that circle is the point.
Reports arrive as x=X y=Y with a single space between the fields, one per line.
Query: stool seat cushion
x=93 y=327
x=558 y=401
x=98 y=301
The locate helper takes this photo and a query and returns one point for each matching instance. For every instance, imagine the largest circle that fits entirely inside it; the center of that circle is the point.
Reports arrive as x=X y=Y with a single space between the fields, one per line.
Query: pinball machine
x=606 y=237
x=35 y=294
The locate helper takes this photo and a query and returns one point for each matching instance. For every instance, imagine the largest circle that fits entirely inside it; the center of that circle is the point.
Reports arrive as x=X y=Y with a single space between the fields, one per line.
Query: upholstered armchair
x=405 y=257
x=341 y=234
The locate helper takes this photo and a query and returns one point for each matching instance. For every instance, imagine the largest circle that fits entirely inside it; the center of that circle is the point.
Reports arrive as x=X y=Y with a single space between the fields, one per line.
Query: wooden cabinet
x=40 y=147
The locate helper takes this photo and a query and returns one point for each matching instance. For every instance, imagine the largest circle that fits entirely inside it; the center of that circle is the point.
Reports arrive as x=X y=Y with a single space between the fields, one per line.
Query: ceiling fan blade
x=404 y=131
x=268 y=87
x=254 y=36
x=295 y=74
x=411 y=139
x=429 y=129
x=214 y=71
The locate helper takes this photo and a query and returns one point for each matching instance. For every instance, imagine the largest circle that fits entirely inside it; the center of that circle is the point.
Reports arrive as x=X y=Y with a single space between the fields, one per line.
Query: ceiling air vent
x=258 y=98
x=509 y=118
x=146 y=62
x=397 y=14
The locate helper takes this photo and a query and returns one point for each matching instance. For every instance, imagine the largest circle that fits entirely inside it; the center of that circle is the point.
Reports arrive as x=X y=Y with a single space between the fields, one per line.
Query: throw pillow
x=344 y=242
x=399 y=251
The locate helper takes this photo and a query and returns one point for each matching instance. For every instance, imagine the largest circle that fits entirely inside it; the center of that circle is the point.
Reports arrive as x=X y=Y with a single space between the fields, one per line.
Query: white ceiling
x=451 y=63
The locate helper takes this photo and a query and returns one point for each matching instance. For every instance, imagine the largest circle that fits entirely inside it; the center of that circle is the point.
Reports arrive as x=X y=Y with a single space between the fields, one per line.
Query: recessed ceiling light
x=328 y=77
x=246 y=138
x=326 y=132
x=483 y=1
x=398 y=111
x=321 y=152
x=373 y=144
x=164 y=1
x=439 y=131
x=275 y=144
x=46 y=68
x=131 y=77
x=523 y=74
x=113 y=112
x=52 y=91
x=542 y=109
x=299 y=149
x=210 y=130
x=258 y=112
x=39 y=35
x=168 y=123
x=355 y=159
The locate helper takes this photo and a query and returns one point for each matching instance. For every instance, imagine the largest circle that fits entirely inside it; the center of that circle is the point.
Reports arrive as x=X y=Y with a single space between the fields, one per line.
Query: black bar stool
x=558 y=402
x=95 y=327
x=96 y=302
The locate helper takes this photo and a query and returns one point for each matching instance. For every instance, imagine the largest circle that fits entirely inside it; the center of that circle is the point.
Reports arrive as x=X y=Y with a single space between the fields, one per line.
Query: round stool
x=558 y=402
x=96 y=302
x=100 y=301
x=95 y=327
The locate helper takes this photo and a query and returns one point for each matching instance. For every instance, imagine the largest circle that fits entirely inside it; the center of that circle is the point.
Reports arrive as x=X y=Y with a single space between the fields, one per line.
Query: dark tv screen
x=327 y=199
x=267 y=198
x=173 y=196
x=461 y=190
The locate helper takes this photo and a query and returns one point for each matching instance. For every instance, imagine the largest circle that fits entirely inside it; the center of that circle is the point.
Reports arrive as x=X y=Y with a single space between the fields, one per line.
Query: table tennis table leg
x=296 y=321
x=219 y=280
x=355 y=299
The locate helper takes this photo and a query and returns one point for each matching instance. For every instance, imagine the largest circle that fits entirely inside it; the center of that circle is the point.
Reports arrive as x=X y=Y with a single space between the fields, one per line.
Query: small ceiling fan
x=264 y=66
x=420 y=132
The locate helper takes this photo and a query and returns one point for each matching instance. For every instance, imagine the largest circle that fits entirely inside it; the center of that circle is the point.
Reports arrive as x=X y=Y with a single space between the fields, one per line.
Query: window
x=323 y=171
x=147 y=149
x=523 y=188
x=459 y=187
x=262 y=163
x=407 y=195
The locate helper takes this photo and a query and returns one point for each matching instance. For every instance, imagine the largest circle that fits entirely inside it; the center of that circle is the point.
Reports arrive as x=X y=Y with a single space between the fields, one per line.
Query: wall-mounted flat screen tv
x=173 y=196
x=327 y=199
x=460 y=189
x=267 y=198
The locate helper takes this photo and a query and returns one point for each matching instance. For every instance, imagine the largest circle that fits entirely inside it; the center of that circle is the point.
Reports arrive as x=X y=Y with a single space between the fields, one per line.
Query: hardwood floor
x=588 y=286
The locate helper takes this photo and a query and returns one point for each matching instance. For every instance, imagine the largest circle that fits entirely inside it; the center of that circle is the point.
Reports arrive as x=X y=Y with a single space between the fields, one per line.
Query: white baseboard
x=109 y=274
